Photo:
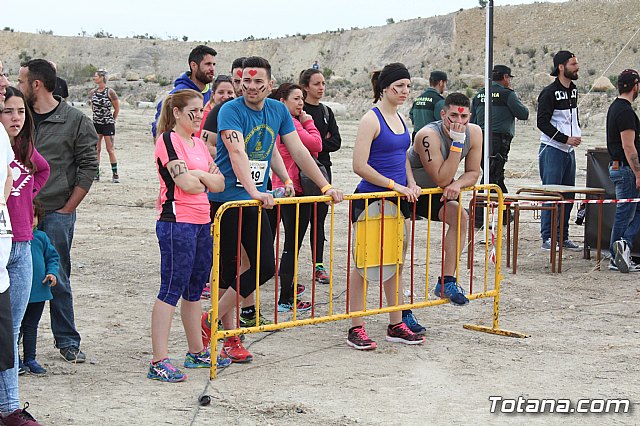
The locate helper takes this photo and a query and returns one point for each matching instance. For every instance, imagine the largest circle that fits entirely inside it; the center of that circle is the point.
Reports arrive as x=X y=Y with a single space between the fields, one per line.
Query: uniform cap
x=500 y=70
x=438 y=76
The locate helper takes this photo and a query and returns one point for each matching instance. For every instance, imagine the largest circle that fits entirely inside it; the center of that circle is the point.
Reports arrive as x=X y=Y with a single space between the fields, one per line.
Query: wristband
x=457 y=136
x=391 y=184
x=458 y=144
x=288 y=182
x=455 y=149
x=326 y=188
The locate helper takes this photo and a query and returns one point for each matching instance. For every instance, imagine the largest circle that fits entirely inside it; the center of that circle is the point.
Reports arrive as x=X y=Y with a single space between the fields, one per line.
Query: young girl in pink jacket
x=291 y=95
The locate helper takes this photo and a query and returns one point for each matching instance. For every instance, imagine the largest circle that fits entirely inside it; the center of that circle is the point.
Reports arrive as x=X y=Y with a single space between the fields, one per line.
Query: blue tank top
x=388 y=155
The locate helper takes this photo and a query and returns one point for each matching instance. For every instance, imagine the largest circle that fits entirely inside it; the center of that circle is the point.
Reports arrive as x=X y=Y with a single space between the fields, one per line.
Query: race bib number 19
x=258 y=172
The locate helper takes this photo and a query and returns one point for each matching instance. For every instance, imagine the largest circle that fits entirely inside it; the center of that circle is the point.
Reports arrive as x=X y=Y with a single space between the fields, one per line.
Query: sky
x=215 y=22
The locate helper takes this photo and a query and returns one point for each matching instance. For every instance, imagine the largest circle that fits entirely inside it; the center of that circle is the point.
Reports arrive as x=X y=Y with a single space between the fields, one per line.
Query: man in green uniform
x=426 y=108
x=506 y=107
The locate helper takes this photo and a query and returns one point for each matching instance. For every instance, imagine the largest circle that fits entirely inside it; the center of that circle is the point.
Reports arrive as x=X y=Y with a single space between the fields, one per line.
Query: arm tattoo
x=205 y=136
x=233 y=137
x=635 y=163
x=178 y=169
x=426 y=144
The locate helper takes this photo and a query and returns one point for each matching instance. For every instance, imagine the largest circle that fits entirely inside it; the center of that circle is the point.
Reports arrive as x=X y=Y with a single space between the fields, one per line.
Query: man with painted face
x=202 y=69
x=438 y=148
x=248 y=127
x=560 y=135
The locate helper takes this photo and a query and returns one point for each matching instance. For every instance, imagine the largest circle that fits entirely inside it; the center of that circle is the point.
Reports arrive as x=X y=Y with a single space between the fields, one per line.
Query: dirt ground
x=583 y=324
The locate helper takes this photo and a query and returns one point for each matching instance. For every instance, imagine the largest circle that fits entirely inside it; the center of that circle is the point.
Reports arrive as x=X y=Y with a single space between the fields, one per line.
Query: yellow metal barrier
x=390 y=253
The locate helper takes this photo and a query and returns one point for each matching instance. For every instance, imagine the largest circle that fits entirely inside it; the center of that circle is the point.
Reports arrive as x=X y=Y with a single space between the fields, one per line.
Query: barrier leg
x=516 y=230
x=495 y=329
x=599 y=255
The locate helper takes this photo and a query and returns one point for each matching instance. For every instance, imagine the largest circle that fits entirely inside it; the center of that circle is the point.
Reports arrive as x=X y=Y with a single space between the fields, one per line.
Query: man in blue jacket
x=202 y=69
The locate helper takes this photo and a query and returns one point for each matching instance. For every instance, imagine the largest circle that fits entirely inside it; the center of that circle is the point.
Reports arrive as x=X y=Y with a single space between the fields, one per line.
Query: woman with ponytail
x=186 y=172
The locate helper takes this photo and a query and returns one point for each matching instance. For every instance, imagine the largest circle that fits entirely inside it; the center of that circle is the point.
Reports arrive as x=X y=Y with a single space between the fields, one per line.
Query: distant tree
x=390 y=21
x=483 y=3
x=103 y=34
x=185 y=38
x=46 y=32
x=24 y=57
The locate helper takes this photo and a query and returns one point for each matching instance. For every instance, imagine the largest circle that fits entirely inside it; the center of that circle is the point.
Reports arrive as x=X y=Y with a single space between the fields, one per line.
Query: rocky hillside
x=600 y=32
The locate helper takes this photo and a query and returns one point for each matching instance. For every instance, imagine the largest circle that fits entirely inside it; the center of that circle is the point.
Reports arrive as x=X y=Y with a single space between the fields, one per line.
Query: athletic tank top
x=388 y=155
x=419 y=174
x=101 y=106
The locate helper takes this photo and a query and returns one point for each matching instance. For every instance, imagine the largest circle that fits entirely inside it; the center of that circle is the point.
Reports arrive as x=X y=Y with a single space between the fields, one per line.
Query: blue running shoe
x=165 y=371
x=288 y=306
x=452 y=291
x=411 y=321
x=201 y=360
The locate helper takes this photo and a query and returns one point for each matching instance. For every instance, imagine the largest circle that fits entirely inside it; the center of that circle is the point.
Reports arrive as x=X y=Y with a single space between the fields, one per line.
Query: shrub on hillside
x=78 y=73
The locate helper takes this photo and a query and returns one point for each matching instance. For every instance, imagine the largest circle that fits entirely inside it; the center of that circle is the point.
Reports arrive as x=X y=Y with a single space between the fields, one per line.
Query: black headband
x=389 y=77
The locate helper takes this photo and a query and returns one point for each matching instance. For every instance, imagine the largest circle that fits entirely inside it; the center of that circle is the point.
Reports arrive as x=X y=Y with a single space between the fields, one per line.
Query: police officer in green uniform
x=506 y=107
x=426 y=107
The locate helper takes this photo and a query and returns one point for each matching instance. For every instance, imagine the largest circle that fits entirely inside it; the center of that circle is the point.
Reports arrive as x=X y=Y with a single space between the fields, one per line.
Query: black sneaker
x=400 y=333
x=73 y=354
x=358 y=339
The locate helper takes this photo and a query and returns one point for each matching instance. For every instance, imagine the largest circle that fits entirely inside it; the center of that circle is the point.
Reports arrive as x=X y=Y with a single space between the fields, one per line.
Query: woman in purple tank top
x=380 y=158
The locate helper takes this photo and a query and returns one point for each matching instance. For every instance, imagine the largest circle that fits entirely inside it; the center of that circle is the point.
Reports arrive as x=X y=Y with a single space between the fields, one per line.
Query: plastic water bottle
x=277 y=192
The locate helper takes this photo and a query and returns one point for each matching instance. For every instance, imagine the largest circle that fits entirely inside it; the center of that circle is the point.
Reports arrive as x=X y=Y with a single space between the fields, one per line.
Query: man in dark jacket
x=202 y=69
x=505 y=108
x=67 y=139
x=426 y=107
x=560 y=135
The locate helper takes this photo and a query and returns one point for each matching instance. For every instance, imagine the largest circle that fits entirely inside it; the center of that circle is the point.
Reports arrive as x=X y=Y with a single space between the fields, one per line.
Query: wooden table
x=512 y=204
x=561 y=191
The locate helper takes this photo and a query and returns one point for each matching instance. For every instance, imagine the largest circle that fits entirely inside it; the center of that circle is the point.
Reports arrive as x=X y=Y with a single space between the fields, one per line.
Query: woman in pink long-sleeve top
x=30 y=172
x=291 y=95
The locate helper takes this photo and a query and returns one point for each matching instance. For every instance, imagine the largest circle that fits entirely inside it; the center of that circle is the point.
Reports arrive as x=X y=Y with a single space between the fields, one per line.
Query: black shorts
x=105 y=129
x=357 y=206
x=422 y=206
x=248 y=238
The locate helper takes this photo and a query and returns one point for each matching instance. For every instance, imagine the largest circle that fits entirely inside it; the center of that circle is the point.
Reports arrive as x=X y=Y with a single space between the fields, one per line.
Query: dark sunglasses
x=222 y=78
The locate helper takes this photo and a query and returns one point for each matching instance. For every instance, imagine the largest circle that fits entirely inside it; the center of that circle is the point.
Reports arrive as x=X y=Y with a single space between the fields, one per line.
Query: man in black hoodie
x=558 y=122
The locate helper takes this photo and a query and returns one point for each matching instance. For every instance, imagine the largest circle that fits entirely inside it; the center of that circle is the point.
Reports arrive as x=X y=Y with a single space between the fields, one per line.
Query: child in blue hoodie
x=46 y=262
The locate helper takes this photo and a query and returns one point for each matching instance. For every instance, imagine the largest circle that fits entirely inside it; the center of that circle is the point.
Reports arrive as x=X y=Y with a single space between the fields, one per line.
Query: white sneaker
x=622 y=256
